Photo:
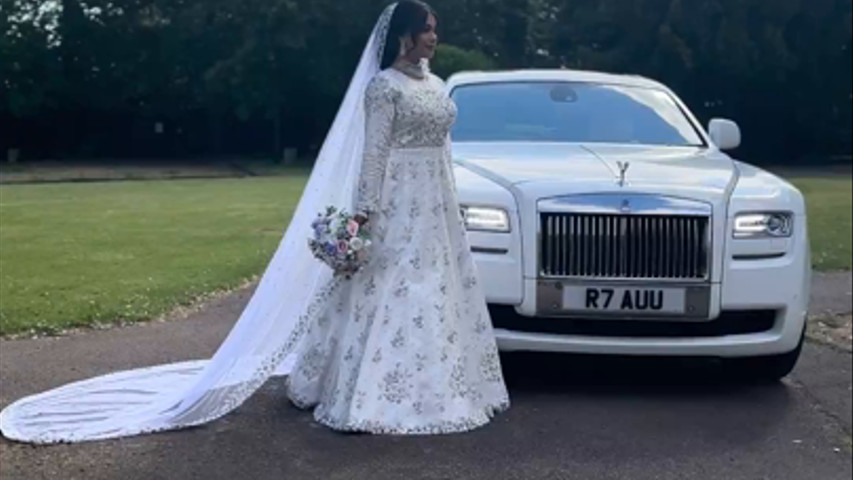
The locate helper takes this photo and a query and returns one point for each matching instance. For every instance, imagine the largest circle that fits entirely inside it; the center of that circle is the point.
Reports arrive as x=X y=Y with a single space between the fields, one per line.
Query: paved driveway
x=572 y=417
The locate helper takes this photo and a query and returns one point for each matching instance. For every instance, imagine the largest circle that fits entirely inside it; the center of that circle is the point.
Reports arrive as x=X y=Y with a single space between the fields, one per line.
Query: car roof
x=564 y=75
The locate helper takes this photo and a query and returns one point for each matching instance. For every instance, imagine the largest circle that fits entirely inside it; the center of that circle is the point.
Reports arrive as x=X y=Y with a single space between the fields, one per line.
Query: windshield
x=570 y=112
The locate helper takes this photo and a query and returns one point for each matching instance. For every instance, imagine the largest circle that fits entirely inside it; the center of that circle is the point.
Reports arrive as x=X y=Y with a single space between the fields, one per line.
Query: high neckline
x=417 y=71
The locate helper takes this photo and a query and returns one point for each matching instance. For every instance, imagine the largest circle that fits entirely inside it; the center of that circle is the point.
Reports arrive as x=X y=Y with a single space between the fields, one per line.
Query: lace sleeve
x=379 y=117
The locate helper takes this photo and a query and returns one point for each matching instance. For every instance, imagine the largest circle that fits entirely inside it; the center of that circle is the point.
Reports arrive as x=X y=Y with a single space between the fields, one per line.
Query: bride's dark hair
x=409 y=18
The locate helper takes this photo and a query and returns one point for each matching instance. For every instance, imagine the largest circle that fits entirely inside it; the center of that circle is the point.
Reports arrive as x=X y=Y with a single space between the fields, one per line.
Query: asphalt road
x=572 y=417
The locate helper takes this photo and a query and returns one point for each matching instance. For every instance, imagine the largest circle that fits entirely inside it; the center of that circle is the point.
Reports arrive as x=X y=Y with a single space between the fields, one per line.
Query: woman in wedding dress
x=407 y=346
x=404 y=346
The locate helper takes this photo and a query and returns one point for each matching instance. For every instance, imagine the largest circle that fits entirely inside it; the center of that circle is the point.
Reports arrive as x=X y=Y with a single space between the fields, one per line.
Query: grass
x=829 y=206
x=82 y=254
x=78 y=254
x=52 y=171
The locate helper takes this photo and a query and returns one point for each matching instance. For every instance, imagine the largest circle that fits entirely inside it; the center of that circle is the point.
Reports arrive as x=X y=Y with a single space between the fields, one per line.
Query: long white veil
x=290 y=294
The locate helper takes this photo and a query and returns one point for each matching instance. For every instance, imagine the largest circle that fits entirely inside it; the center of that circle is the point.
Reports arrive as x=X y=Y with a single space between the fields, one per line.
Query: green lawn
x=80 y=254
x=829 y=206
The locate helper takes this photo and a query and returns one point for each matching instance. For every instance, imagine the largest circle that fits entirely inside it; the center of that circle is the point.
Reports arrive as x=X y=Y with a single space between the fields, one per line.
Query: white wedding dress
x=405 y=346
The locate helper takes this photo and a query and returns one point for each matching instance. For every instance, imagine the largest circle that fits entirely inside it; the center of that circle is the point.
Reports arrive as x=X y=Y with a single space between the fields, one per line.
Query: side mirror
x=724 y=133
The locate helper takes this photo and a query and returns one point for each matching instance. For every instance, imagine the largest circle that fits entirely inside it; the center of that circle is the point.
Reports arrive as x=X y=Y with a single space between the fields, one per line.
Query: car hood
x=547 y=169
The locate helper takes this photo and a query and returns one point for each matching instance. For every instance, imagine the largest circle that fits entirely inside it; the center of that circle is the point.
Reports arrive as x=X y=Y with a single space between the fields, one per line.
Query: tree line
x=210 y=78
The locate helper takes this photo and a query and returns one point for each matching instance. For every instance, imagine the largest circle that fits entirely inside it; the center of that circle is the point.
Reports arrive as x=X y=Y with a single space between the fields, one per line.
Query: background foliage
x=92 y=78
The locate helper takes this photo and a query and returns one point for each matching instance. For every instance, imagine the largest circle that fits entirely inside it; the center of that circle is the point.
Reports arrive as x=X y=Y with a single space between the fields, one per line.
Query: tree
x=92 y=77
x=450 y=59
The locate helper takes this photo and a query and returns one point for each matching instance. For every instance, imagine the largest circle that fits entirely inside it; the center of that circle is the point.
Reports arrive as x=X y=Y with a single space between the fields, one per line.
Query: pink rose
x=352 y=228
x=342 y=246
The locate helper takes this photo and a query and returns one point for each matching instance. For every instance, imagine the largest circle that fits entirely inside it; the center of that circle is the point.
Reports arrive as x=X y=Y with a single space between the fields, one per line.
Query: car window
x=570 y=112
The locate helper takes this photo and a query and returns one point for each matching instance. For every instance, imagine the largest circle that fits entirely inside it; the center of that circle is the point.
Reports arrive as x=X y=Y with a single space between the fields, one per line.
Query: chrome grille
x=624 y=246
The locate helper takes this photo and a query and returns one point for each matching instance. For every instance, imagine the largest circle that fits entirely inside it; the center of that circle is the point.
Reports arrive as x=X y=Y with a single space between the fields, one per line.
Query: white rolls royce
x=605 y=220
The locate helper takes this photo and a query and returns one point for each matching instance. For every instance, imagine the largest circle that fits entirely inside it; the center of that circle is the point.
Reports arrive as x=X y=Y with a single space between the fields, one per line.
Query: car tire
x=769 y=368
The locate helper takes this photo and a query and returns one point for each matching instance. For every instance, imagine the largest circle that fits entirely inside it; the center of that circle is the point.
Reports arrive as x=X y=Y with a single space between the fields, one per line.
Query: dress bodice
x=401 y=112
x=423 y=112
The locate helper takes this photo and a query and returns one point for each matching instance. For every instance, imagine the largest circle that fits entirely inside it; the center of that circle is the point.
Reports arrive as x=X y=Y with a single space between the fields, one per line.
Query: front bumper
x=782 y=337
x=774 y=287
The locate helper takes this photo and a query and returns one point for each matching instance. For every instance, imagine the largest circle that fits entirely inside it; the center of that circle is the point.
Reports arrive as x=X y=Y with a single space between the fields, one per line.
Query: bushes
x=450 y=59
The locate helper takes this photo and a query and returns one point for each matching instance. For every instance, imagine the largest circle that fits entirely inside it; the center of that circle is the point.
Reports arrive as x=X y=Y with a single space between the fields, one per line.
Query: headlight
x=485 y=218
x=763 y=225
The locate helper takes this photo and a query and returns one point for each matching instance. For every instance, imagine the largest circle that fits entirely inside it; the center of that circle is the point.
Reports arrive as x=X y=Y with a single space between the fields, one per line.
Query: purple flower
x=342 y=246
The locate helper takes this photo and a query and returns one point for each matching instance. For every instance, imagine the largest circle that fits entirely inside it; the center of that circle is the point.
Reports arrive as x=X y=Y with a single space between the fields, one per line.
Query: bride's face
x=425 y=42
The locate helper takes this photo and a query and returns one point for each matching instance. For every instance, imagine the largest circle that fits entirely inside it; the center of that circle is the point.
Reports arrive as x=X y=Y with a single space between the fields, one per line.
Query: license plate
x=632 y=300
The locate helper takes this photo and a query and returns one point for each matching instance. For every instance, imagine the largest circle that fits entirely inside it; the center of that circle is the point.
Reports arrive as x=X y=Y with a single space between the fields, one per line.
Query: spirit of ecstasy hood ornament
x=623 y=167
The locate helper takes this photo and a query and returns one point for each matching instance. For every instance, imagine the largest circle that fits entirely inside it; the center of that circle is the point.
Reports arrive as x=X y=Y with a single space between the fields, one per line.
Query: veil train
x=291 y=292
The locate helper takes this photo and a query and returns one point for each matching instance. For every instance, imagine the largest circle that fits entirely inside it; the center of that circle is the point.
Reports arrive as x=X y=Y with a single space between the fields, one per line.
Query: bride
x=405 y=346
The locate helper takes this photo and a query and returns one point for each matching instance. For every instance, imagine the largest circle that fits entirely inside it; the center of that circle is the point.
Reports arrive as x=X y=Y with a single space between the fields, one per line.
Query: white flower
x=356 y=244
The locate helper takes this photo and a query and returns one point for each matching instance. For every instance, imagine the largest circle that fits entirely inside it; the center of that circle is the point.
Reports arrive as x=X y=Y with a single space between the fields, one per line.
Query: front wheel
x=769 y=368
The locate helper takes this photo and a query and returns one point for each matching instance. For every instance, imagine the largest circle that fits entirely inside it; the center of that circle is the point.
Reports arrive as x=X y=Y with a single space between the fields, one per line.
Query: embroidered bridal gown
x=406 y=345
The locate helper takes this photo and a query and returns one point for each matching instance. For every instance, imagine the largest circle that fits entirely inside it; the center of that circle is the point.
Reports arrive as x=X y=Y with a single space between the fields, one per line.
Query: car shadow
x=684 y=376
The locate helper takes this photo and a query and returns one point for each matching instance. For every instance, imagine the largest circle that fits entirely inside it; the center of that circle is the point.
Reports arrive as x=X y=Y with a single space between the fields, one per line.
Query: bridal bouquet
x=339 y=241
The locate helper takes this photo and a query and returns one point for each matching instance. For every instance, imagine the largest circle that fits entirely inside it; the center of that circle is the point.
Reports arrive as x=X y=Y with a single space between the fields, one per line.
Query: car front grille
x=624 y=246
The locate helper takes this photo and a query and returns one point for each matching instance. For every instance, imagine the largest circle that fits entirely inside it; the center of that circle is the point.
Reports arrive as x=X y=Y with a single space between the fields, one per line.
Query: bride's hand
x=361 y=219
